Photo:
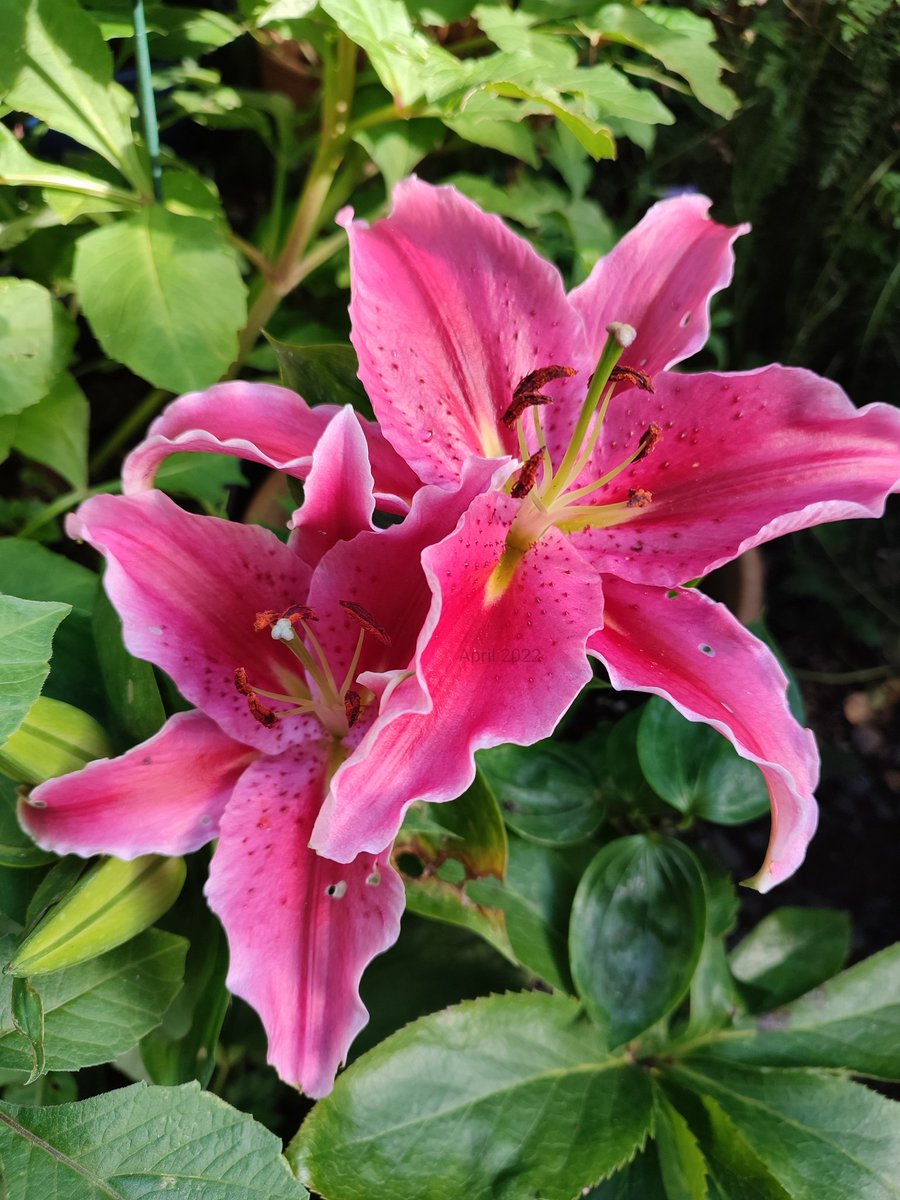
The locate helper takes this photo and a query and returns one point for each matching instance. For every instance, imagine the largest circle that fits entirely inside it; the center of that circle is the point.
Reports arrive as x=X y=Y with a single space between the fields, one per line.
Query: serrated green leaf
x=26 y=635
x=681 y=46
x=820 y=1137
x=55 y=431
x=789 y=952
x=36 y=339
x=852 y=1022
x=546 y=792
x=639 y=1180
x=18 y=168
x=142 y=1142
x=55 y=65
x=681 y=1162
x=495 y=1094
x=697 y=770
x=638 y=924
x=321 y=374
x=100 y=1009
x=397 y=147
x=164 y=296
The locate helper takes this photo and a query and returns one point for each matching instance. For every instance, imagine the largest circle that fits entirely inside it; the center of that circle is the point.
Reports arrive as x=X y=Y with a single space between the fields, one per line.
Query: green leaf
x=624 y=785
x=321 y=374
x=467 y=835
x=28 y=1019
x=494 y=1096
x=682 y=1165
x=16 y=847
x=397 y=147
x=396 y=51
x=100 y=1009
x=26 y=634
x=789 y=952
x=36 y=573
x=36 y=339
x=681 y=42
x=546 y=792
x=821 y=1138
x=639 y=1180
x=142 y=1141
x=696 y=769
x=55 y=431
x=55 y=64
x=164 y=296
x=638 y=924
x=536 y=898
x=18 y=168
x=53 y=739
x=135 y=705
x=203 y=477
x=852 y=1022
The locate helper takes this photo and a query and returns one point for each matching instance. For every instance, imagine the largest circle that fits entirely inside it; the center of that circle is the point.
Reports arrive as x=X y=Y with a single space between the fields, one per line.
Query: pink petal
x=338 y=499
x=188 y=589
x=682 y=646
x=450 y=310
x=260 y=423
x=301 y=929
x=660 y=278
x=165 y=796
x=743 y=458
x=487 y=674
x=382 y=572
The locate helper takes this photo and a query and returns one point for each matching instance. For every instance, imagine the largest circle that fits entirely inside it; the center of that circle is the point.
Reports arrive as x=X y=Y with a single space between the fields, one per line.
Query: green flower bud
x=111 y=903
x=54 y=739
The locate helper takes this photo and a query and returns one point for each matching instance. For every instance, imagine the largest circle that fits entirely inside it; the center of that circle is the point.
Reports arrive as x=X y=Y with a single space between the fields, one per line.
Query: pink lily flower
x=290 y=653
x=632 y=479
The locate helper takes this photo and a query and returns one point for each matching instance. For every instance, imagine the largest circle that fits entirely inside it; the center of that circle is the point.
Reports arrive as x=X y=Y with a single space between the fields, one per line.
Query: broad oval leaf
x=142 y=1142
x=697 y=770
x=789 y=952
x=100 y=1009
x=26 y=635
x=323 y=374
x=546 y=792
x=36 y=338
x=485 y=1100
x=638 y=924
x=163 y=295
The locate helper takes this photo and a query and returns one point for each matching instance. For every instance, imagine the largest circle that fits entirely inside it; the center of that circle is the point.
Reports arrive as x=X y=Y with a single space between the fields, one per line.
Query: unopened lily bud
x=111 y=903
x=54 y=739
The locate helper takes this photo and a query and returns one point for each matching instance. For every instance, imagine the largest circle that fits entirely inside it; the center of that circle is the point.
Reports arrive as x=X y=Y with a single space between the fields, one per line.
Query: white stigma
x=624 y=334
x=283 y=630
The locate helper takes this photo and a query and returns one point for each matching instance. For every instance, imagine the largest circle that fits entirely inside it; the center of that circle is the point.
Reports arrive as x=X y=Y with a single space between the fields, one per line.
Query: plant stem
x=147 y=99
x=135 y=421
x=64 y=503
x=289 y=269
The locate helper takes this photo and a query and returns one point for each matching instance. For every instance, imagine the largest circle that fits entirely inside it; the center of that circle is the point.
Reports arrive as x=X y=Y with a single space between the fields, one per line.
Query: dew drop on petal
x=374 y=879
x=154 y=629
x=707 y=650
x=427 y=435
x=336 y=890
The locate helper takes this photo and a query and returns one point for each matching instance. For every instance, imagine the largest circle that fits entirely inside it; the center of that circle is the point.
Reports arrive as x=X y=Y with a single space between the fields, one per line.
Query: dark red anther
x=368 y=622
x=264 y=715
x=649 y=438
x=528 y=391
x=640 y=379
x=527 y=476
x=352 y=707
x=638 y=498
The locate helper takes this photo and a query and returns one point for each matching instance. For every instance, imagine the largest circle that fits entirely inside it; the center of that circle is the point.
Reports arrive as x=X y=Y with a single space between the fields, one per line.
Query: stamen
x=265 y=716
x=638 y=498
x=528 y=391
x=241 y=682
x=624 y=374
x=624 y=334
x=282 y=630
x=649 y=438
x=368 y=622
x=527 y=476
x=352 y=707
x=293 y=614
